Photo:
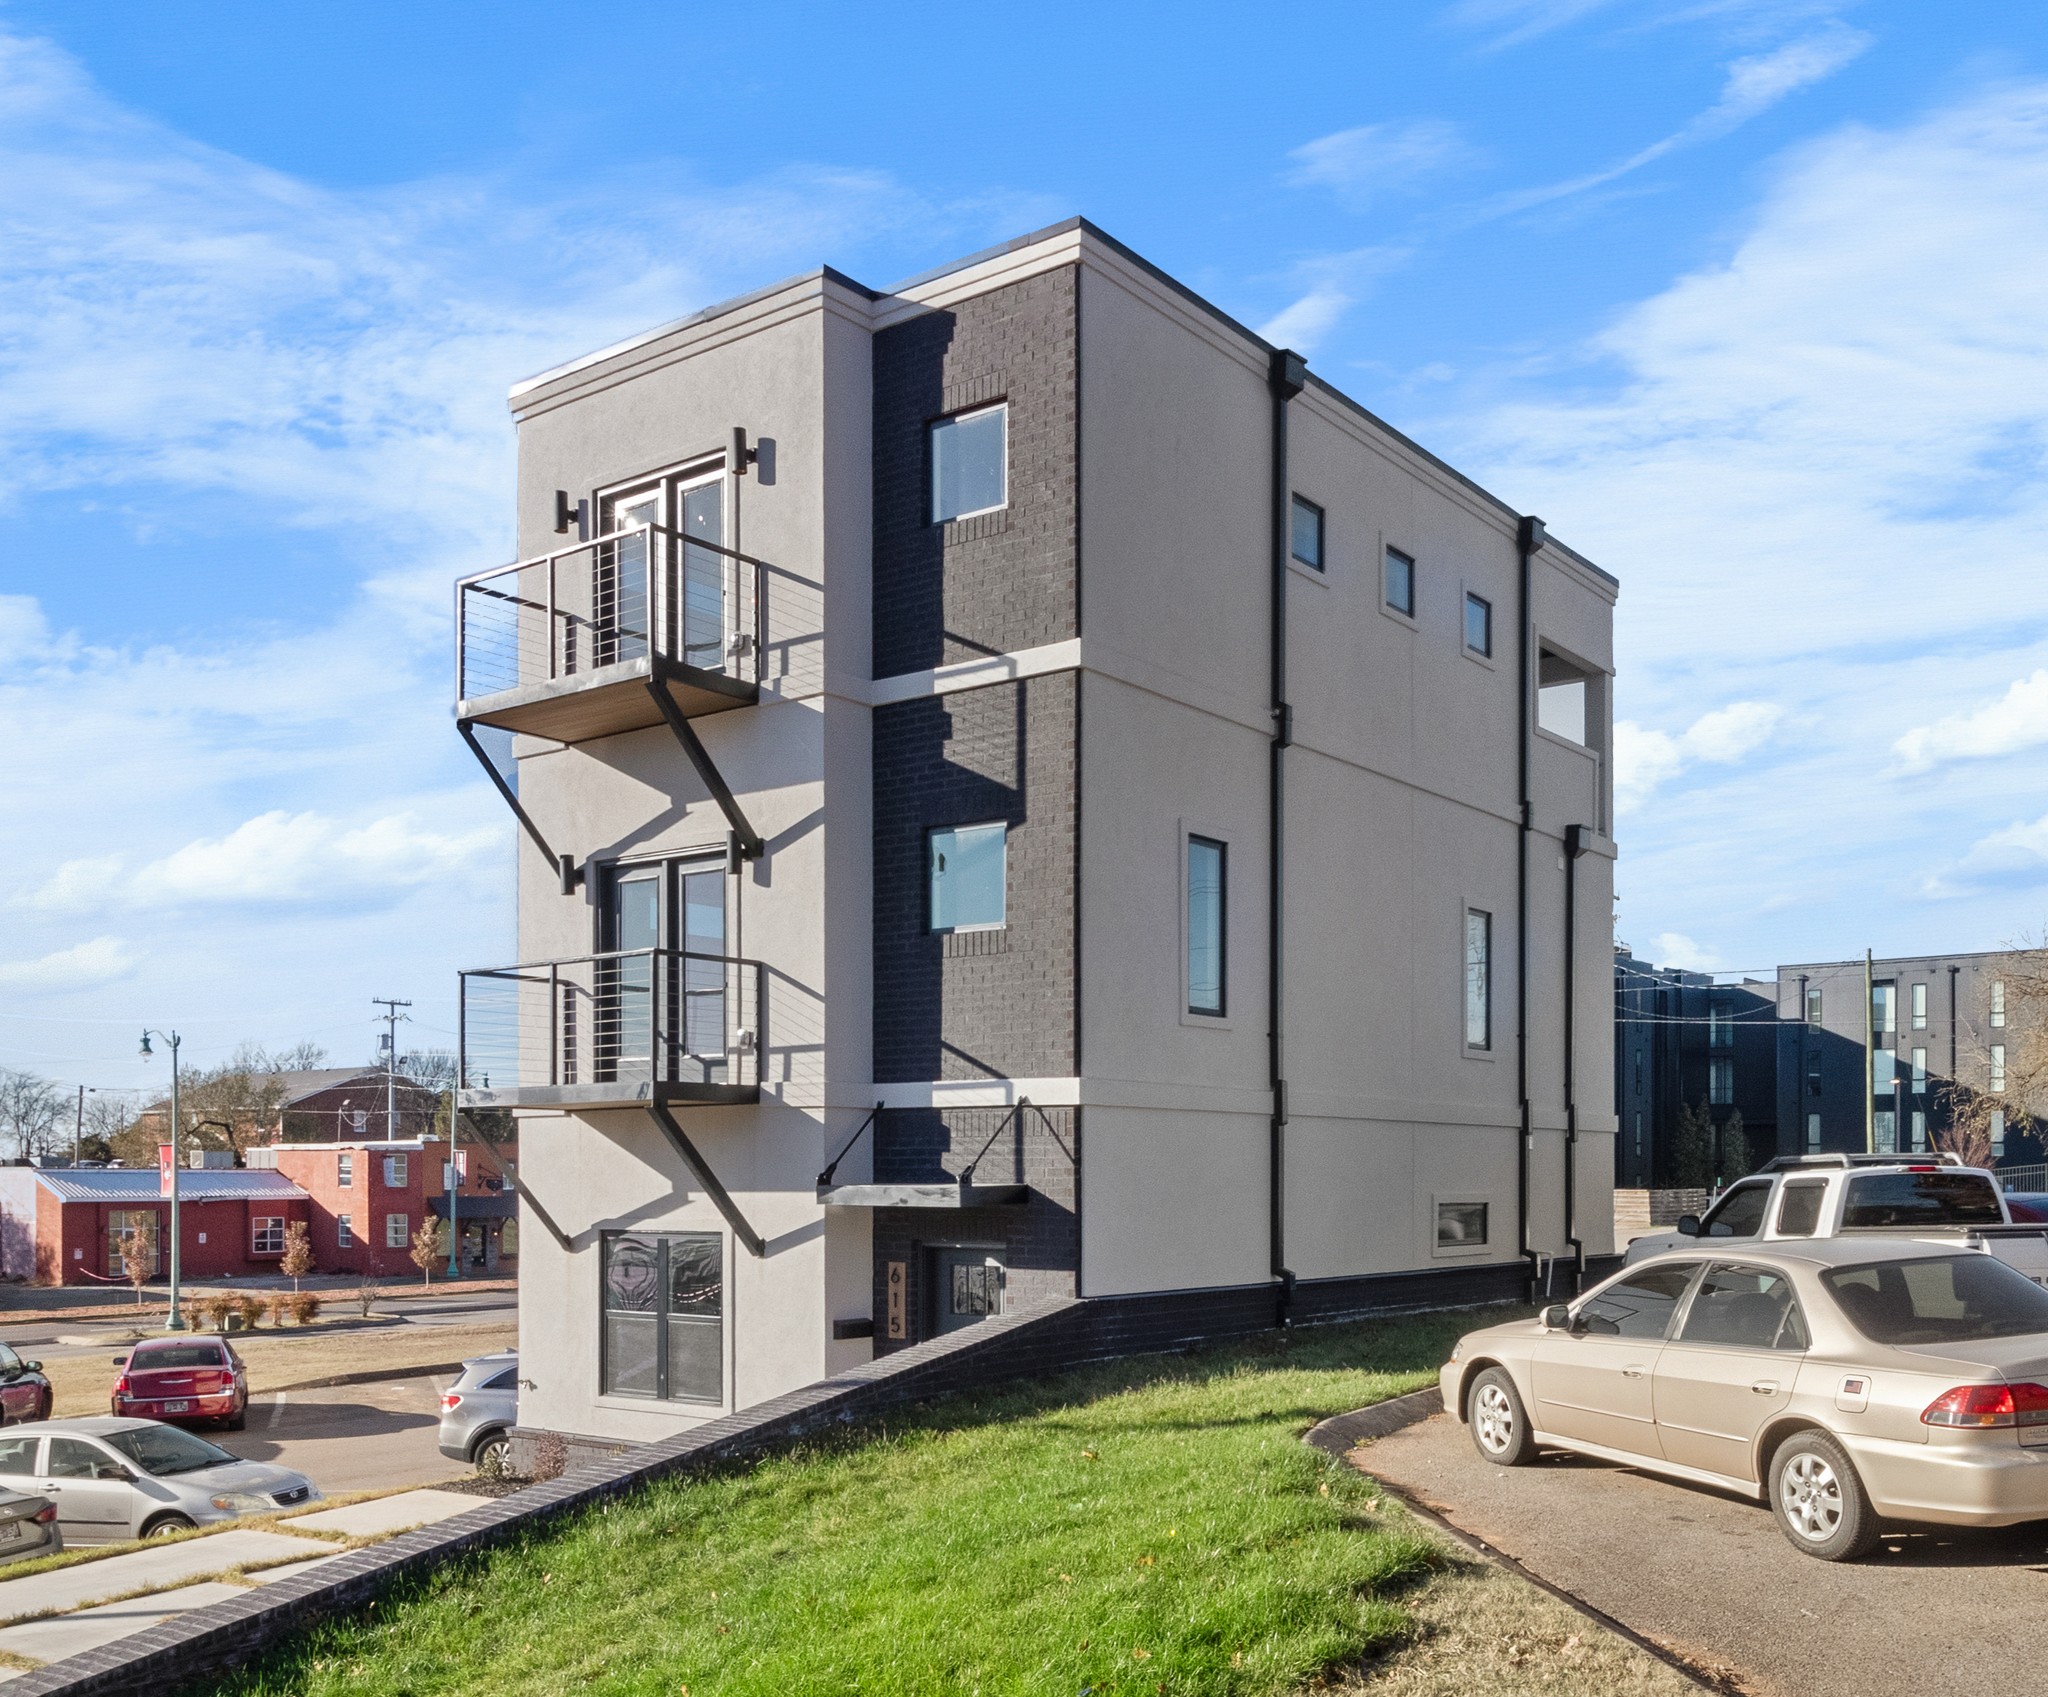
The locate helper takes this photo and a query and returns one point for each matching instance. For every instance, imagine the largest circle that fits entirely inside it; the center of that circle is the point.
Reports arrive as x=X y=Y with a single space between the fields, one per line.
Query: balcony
x=590 y=640
x=630 y=1028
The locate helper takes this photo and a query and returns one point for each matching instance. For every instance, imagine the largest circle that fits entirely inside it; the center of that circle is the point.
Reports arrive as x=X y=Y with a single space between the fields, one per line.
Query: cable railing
x=627 y=1019
x=641 y=593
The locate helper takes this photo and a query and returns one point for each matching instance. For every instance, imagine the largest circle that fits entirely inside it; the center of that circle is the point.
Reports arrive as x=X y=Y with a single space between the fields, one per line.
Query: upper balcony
x=625 y=1028
x=585 y=642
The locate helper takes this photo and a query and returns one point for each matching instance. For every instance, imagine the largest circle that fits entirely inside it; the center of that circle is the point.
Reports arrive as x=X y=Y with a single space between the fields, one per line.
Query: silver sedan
x=112 y=1478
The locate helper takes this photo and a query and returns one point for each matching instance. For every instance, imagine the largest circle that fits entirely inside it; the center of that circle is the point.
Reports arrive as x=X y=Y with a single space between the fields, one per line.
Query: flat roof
x=195 y=1184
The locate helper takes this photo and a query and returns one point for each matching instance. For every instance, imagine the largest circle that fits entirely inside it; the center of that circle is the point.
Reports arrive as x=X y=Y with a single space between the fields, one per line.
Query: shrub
x=366 y=1296
x=248 y=1308
x=278 y=1305
x=305 y=1307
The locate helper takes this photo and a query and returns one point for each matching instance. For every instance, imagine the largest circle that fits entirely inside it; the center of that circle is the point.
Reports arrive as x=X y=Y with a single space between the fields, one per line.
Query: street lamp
x=176 y=1320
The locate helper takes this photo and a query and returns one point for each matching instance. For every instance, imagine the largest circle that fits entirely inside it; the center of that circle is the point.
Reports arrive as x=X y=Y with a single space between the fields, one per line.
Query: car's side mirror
x=120 y=1361
x=113 y=1470
x=32 y=1366
x=1688 y=1225
x=1557 y=1318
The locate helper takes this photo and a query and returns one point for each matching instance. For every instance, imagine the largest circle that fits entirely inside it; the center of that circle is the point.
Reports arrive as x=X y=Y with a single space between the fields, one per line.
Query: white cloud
x=1335 y=283
x=1645 y=760
x=83 y=966
x=2017 y=720
x=1676 y=949
x=1373 y=160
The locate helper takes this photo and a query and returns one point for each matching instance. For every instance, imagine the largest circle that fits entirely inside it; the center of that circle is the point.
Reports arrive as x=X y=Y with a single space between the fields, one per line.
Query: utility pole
x=175 y=1321
x=78 y=1125
x=391 y=1005
x=1869 y=1066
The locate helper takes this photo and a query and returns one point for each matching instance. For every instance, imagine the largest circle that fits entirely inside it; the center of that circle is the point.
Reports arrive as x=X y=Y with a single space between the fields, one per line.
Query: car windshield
x=1945 y=1299
x=1881 y=1200
x=150 y=1358
x=164 y=1450
x=1741 y=1213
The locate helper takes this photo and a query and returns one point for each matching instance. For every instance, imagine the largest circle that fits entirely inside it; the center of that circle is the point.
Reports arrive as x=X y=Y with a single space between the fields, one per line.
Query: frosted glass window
x=1206 y=896
x=970 y=463
x=968 y=870
x=1478 y=979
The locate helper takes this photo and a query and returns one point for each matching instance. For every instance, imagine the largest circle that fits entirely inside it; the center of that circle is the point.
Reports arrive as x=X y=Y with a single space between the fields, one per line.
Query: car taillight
x=1989 y=1405
x=450 y=1401
x=44 y=1515
x=121 y=1386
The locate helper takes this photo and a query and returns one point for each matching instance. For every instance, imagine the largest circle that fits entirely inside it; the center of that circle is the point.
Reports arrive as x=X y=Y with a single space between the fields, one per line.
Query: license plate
x=182 y=1406
x=10 y=1529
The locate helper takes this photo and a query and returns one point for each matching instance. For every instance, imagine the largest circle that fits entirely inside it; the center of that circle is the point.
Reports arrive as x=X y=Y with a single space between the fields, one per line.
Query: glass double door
x=664 y=587
x=662 y=986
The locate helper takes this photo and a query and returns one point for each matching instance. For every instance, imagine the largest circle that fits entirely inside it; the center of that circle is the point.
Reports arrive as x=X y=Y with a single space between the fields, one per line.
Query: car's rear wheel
x=1500 y=1426
x=166 y=1524
x=490 y=1454
x=1820 y=1503
x=239 y=1420
x=43 y=1408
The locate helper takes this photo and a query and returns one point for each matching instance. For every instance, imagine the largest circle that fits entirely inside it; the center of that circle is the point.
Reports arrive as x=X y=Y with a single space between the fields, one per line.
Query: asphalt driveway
x=350 y=1437
x=1713 y=1579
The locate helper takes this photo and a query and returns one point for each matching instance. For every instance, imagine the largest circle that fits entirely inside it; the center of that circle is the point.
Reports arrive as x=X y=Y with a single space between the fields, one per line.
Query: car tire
x=49 y=1402
x=1821 y=1505
x=490 y=1453
x=165 y=1524
x=237 y=1421
x=1500 y=1425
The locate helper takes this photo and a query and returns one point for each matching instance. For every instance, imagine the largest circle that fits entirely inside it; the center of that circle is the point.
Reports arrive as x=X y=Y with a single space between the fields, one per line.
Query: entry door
x=663 y=1016
x=702 y=1057
x=619 y=592
x=967 y=1285
x=626 y=987
x=1729 y=1369
x=703 y=596
x=1594 y=1383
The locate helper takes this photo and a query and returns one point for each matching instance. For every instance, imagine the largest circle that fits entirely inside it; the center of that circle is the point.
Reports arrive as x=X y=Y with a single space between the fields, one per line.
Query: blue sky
x=1748 y=298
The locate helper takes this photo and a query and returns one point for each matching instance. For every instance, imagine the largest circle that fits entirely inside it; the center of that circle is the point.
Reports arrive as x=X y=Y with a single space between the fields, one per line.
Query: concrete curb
x=368 y=1376
x=1342 y=1433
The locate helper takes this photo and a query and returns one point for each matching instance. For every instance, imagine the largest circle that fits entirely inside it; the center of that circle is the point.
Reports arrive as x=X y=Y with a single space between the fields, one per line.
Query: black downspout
x=1285 y=377
x=1528 y=538
x=1574 y=846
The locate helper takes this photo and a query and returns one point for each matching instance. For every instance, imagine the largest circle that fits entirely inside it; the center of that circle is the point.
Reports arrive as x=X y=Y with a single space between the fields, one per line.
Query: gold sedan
x=1846 y=1382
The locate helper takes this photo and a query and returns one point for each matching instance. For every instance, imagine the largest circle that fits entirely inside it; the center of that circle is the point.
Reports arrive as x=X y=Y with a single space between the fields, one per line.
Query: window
x=18 y=1457
x=1884 y=1071
x=1206 y=908
x=73 y=1458
x=345 y=1170
x=664 y=1316
x=124 y=1224
x=1813 y=1007
x=1720 y=1026
x=1884 y=1131
x=1919 y=1072
x=1478 y=979
x=394 y=1171
x=1740 y=1213
x=970 y=463
x=1640 y=1306
x=1307 y=533
x=1460 y=1225
x=1563 y=694
x=1813 y=1131
x=1944 y=1299
x=1720 y=1082
x=1746 y=1307
x=266 y=1234
x=1998 y=1134
x=1919 y=1007
x=396 y=1231
x=1398 y=584
x=1478 y=624
x=1884 y=1007
x=1919 y=1132
x=1998 y=1003
x=968 y=866
x=1799 y=1207
x=1813 y=1073
x=1997 y=1066
x=344 y=1232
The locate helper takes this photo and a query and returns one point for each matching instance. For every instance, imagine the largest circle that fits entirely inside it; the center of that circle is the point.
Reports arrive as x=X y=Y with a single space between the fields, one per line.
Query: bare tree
x=2021 y=1101
x=31 y=1111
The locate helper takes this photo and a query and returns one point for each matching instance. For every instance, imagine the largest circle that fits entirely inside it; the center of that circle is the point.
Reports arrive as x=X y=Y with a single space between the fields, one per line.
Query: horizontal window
x=970 y=463
x=1460 y=1225
x=969 y=872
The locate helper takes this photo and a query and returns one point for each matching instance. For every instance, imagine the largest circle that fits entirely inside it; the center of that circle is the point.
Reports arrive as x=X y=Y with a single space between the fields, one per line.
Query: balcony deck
x=962 y=1193
x=626 y=1093
x=607 y=700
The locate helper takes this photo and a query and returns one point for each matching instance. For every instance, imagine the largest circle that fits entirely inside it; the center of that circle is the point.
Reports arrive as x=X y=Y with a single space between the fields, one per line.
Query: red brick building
x=365 y=1199
x=66 y=1225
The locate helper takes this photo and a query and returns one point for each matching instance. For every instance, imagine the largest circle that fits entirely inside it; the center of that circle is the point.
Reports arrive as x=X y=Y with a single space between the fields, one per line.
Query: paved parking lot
x=350 y=1437
x=1712 y=1577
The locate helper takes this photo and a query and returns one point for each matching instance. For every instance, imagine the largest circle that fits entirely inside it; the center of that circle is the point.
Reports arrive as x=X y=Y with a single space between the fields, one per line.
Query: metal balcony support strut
x=720 y=1197
x=565 y=865
x=748 y=839
x=832 y=1166
x=519 y=1190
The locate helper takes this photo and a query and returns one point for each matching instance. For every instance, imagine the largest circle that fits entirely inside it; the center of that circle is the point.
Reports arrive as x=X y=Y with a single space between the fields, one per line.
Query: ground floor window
x=344 y=1232
x=664 y=1315
x=266 y=1235
x=124 y=1223
x=397 y=1232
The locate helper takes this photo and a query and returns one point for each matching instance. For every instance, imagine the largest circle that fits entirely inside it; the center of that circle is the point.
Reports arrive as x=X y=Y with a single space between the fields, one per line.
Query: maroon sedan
x=24 y=1393
x=183 y=1380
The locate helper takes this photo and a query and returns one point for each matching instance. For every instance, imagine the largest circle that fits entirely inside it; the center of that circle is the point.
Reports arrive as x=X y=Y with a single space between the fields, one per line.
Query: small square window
x=1460 y=1225
x=266 y=1235
x=970 y=463
x=968 y=872
x=1308 y=533
x=1399 y=587
x=1479 y=624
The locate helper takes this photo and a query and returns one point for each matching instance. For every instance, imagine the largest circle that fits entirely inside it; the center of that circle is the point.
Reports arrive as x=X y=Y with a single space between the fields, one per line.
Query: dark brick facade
x=1000 y=581
x=978 y=1004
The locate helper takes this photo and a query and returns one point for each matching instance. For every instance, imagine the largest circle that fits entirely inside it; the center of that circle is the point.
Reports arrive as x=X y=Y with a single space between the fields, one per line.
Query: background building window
x=1998 y=1003
x=1813 y=1007
x=1884 y=1013
x=1460 y=1225
x=970 y=463
x=397 y=1231
x=1997 y=1066
x=1721 y=1082
x=1478 y=979
x=394 y=1172
x=1399 y=588
x=344 y=1232
x=1205 y=917
x=345 y=1170
x=1720 y=1026
x=1813 y=1131
x=968 y=875
x=1919 y=1131
x=1919 y=1007
x=1919 y=1072
x=664 y=1316
x=1885 y=1131
x=1998 y=1134
x=1478 y=624
x=1884 y=1071
x=266 y=1235
x=1308 y=533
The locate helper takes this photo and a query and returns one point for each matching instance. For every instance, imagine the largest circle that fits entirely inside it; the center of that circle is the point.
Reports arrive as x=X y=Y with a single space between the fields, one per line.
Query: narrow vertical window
x=1813 y=1132
x=1919 y=1007
x=1884 y=1071
x=1307 y=538
x=344 y=1232
x=1720 y=1026
x=1919 y=1131
x=1478 y=979
x=1885 y=1131
x=344 y=1170
x=1478 y=624
x=1813 y=1007
x=1997 y=1067
x=1720 y=1082
x=1399 y=583
x=1205 y=919
x=1919 y=1072
x=1998 y=1003
x=1998 y=1134
x=970 y=463
x=1884 y=1007
x=968 y=870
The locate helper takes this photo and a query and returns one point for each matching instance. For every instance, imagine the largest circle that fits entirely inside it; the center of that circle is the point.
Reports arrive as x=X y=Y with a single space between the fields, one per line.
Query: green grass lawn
x=1150 y=1526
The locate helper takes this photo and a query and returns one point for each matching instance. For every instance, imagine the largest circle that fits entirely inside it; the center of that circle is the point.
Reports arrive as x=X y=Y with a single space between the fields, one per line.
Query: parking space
x=1713 y=1579
x=350 y=1437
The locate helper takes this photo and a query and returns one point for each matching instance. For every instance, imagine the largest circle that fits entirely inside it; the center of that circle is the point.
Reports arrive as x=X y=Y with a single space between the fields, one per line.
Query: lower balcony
x=613 y=1030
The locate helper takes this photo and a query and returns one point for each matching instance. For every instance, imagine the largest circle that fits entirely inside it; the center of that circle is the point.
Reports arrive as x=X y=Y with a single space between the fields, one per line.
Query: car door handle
x=1631 y=1372
x=1765 y=1387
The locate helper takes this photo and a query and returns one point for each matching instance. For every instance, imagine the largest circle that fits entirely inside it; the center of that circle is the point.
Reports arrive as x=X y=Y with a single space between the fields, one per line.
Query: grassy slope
x=1148 y=1526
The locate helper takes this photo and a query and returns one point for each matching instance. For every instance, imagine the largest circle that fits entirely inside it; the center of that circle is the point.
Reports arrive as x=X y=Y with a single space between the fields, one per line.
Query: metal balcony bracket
x=565 y=865
x=749 y=840
x=832 y=1166
x=701 y=1169
x=519 y=1190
